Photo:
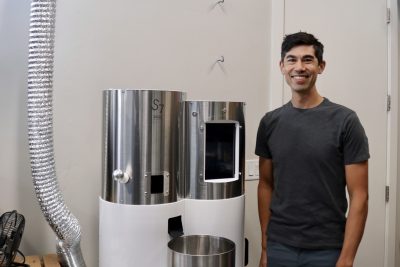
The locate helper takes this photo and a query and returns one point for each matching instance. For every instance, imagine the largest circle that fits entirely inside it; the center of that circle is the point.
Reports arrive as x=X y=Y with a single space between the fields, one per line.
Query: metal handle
x=121 y=176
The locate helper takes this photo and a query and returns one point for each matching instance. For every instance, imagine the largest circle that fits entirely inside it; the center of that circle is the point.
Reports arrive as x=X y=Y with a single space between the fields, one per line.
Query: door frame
x=392 y=232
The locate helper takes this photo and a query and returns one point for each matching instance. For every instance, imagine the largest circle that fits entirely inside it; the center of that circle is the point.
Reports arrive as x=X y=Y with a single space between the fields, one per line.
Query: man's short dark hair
x=302 y=38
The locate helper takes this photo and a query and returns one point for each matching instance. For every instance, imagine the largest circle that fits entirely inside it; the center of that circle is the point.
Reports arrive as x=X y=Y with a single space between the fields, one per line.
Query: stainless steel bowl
x=201 y=251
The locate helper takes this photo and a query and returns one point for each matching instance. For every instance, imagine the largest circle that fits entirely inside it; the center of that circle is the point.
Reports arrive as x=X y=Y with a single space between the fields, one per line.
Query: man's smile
x=300 y=78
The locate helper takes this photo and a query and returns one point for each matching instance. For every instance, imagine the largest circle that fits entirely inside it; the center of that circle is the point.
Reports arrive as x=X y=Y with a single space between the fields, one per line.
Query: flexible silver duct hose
x=40 y=134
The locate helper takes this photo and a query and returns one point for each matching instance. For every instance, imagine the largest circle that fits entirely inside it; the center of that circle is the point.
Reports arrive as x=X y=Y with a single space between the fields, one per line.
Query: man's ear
x=322 y=66
x=281 y=66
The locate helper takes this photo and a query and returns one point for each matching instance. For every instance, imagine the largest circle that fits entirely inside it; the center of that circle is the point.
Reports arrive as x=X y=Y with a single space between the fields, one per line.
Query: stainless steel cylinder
x=140 y=145
x=201 y=251
x=212 y=150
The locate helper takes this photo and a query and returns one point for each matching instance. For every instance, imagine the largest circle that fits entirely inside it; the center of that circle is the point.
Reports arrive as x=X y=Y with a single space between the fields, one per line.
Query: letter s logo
x=156 y=105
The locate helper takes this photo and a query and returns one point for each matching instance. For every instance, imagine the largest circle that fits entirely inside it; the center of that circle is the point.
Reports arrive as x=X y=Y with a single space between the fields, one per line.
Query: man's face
x=301 y=68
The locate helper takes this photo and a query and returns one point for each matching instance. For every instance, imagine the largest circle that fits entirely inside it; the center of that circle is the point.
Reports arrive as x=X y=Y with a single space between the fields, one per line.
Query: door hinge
x=388 y=17
x=388 y=103
x=387 y=193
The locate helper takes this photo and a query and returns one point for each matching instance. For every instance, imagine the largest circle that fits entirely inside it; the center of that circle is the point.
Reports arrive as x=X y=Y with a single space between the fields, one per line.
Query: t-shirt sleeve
x=355 y=141
x=262 y=148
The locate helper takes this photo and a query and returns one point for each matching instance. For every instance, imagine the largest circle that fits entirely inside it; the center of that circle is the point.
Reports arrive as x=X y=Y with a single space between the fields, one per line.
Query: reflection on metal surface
x=121 y=176
x=140 y=145
x=206 y=160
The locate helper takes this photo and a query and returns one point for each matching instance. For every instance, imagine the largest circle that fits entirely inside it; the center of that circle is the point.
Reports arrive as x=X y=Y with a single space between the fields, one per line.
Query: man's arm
x=265 y=188
x=357 y=186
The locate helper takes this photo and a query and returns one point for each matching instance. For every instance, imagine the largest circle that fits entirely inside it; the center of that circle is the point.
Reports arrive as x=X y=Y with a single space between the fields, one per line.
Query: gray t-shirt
x=309 y=149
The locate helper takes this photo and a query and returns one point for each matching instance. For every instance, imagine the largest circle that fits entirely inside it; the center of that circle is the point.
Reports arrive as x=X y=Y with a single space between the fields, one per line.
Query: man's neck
x=306 y=100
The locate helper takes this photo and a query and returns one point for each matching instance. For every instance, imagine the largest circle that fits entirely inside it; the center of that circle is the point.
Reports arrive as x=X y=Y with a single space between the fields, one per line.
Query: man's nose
x=299 y=66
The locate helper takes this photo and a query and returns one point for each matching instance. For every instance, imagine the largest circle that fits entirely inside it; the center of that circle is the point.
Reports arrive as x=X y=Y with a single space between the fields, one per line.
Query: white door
x=355 y=37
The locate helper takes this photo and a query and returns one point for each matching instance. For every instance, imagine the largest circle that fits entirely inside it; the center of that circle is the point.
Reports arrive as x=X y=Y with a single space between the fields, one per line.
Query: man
x=310 y=150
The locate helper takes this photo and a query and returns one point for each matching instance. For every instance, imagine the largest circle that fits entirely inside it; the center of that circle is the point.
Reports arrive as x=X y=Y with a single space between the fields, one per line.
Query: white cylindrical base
x=223 y=218
x=135 y=235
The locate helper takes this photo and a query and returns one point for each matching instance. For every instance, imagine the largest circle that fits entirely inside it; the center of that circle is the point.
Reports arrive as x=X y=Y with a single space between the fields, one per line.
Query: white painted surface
x=252 y=169
x=135 y=234
x=224 y=218
x=139 y=233
x=393 y=209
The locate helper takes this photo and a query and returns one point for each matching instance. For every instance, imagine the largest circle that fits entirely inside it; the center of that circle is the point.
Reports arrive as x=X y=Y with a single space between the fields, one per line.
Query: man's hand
x=357 y=186
x=344 y=263
x=263 y=258
x=265 y=188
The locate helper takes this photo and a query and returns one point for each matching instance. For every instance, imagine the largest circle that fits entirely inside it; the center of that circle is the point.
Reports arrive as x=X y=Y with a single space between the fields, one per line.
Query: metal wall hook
x=221 y=60
x=219 y=3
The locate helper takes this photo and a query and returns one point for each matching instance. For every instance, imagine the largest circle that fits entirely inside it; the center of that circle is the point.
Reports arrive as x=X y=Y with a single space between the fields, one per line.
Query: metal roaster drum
x=212 y=167
x=140 y=161
x=212 y=150
x=140 y=169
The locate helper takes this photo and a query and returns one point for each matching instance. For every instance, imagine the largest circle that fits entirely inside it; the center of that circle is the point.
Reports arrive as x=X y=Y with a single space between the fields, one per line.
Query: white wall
x=396 y=82
x=393 y=241
x=123 y=44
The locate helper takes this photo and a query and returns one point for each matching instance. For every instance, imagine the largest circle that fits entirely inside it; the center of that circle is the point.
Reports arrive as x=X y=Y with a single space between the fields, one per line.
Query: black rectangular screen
x=220 y=150
x=157 y=184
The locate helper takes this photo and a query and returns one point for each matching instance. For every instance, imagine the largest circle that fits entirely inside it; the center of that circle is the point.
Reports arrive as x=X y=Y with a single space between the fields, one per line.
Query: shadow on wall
x=16 y=187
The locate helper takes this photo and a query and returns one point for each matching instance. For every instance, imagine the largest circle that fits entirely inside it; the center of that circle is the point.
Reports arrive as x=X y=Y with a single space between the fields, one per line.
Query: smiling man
x=310 y=150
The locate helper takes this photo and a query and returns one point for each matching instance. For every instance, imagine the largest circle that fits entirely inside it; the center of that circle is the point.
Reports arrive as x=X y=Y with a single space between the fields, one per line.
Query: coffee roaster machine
x=171 y=167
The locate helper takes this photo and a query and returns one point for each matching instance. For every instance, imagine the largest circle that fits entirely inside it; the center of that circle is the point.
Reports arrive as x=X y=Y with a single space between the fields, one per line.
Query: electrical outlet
x=252 y=171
